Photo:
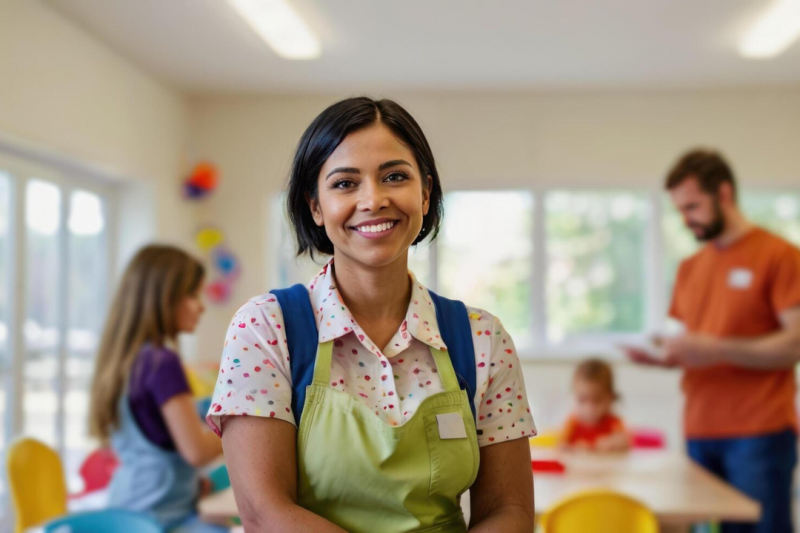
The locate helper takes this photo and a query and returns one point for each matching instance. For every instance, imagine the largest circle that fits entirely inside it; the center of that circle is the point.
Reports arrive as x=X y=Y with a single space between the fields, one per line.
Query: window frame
x=22 y=166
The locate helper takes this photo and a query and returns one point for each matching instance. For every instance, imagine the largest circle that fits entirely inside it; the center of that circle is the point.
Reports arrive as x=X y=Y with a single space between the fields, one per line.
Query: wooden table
x=677 y=490
x=218 y=507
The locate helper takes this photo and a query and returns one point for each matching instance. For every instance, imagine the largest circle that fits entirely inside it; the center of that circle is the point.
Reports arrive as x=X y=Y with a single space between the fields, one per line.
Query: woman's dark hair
x=322 y=137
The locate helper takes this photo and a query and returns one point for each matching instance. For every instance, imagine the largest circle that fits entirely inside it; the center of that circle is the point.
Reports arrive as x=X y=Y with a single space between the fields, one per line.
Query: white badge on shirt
x=451 y=426
x=740 y=278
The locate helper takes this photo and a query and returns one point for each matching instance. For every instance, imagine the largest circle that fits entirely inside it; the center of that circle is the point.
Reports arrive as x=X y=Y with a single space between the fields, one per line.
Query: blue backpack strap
x=302 y=337
x=457 y=336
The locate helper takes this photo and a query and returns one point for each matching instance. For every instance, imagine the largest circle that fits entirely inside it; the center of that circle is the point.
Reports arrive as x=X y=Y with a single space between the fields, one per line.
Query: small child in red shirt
x=593 y=425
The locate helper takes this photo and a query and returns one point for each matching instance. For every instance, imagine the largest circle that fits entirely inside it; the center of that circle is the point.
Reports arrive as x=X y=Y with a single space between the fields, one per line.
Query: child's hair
x=143 y=310
x=597 y=371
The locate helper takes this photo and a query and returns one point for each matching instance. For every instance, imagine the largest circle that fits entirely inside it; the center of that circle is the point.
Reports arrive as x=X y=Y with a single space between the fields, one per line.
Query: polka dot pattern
x=255 y=375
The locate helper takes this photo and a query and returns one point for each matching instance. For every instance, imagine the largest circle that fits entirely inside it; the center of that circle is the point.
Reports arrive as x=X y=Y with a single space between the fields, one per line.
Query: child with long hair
x=141 y=404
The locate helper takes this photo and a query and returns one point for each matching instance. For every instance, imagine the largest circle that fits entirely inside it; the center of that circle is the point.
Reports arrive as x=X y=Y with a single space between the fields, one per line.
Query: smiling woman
x=380 y=131
x=378 y=403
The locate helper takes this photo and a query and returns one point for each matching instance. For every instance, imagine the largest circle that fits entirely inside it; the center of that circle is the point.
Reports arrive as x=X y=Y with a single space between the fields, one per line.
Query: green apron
x=364 y=475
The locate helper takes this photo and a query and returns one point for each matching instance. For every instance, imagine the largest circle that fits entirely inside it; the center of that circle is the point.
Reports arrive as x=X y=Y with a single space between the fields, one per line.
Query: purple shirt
x=156 y=376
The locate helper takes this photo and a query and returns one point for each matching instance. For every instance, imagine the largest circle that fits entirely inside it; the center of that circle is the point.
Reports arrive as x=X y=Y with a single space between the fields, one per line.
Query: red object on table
x=549 y=466
x=648 y=439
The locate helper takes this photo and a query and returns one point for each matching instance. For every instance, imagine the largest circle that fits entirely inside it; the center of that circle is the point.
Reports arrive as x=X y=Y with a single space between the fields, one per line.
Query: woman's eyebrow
x=394 y=163
x=346 y=170
x=353 y=170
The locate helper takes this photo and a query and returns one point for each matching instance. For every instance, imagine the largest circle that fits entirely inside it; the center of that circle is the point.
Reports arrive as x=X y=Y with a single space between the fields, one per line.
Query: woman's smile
x=376 y=229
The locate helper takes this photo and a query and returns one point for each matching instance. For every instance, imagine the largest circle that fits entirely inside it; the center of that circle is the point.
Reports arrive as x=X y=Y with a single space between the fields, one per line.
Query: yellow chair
x=36 y=479
x=599 y=511
x=545 y=439
x=201 y=388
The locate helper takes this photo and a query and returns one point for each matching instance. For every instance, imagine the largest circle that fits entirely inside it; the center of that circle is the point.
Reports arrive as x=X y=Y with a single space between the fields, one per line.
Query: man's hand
x=647 y=358
x=691 y=350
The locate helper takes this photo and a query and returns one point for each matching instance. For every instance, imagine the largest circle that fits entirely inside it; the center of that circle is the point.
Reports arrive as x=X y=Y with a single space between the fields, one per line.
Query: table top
x=671 y=485
x=677 y=490
x=218 y=506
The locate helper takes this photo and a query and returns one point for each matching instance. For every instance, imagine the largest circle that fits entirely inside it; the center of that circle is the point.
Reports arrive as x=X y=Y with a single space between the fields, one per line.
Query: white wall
x=504 y=140
x=62 y=92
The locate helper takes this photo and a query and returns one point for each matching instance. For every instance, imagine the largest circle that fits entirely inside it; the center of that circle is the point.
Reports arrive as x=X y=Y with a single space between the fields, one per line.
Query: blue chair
x=219 y=478
x=109 y=521
x=203 y=405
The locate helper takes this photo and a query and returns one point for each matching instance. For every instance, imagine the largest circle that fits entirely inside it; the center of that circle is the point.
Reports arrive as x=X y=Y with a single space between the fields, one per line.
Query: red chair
x=96 y=471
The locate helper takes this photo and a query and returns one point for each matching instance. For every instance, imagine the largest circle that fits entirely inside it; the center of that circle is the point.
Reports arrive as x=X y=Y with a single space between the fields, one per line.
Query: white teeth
x=376 y=228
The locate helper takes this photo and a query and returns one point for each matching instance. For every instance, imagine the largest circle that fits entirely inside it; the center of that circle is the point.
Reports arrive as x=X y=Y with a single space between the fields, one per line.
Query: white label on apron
x=740 y=278
x=451 y=426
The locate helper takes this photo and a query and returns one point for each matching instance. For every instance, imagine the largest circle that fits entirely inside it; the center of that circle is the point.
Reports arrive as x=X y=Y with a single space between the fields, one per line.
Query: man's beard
x=712 y=230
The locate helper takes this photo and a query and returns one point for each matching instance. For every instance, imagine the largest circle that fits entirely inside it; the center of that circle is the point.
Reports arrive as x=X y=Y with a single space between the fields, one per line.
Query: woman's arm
x=196 y=444
x=262 y=464
x=501 y=498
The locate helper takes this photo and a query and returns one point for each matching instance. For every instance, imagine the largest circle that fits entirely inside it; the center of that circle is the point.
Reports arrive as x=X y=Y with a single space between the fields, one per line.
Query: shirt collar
x=334 y=319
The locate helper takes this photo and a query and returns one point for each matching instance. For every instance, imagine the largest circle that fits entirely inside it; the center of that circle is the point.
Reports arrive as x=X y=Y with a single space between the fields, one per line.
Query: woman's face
x=371 y=197
x=190 y=309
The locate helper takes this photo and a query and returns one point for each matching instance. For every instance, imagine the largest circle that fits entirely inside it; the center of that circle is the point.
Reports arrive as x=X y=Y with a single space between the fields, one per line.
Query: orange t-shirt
x=738 y=291
x=575 y=431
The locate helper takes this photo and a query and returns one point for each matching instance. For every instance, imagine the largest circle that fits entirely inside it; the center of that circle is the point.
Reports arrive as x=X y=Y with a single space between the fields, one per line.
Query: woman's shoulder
x=264 y=309
x=486 y=326
x=480 y=316
x=268 y=300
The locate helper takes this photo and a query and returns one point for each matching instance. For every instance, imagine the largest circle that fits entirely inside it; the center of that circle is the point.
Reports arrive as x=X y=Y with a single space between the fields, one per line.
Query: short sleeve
x=503 y=411
x=254 y=375
x=167 y=378
x=785 y=285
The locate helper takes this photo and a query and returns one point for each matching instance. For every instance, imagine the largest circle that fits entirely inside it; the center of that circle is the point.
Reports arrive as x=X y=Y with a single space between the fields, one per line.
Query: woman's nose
x=373 y=198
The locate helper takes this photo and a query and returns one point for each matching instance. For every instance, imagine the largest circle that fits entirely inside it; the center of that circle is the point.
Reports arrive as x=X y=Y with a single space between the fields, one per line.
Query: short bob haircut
x=322 y=137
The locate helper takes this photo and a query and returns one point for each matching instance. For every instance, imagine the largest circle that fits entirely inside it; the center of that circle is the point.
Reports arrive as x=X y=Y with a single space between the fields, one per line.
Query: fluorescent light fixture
x=280 y=26
x=774 y=32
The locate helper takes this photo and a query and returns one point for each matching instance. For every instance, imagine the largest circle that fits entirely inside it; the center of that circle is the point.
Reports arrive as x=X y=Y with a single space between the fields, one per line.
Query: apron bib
x=364 y=475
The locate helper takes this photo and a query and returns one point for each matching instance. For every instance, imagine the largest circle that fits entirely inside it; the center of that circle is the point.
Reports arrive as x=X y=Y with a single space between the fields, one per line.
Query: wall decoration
x=202 y=181
x=225 y=266
x=209 y=238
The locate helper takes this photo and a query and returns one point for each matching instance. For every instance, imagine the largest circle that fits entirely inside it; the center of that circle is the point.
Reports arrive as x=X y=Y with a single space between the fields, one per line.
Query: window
x=778 y=212
x=43 y=295
x=60 y=280
x=486 y=256
x=5 y=315
x=595 y=263
x=679 y=243
x=87 y=295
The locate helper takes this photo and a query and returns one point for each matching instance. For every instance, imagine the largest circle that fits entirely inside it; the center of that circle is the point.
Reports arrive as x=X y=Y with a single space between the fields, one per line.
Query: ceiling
x=202 y=46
